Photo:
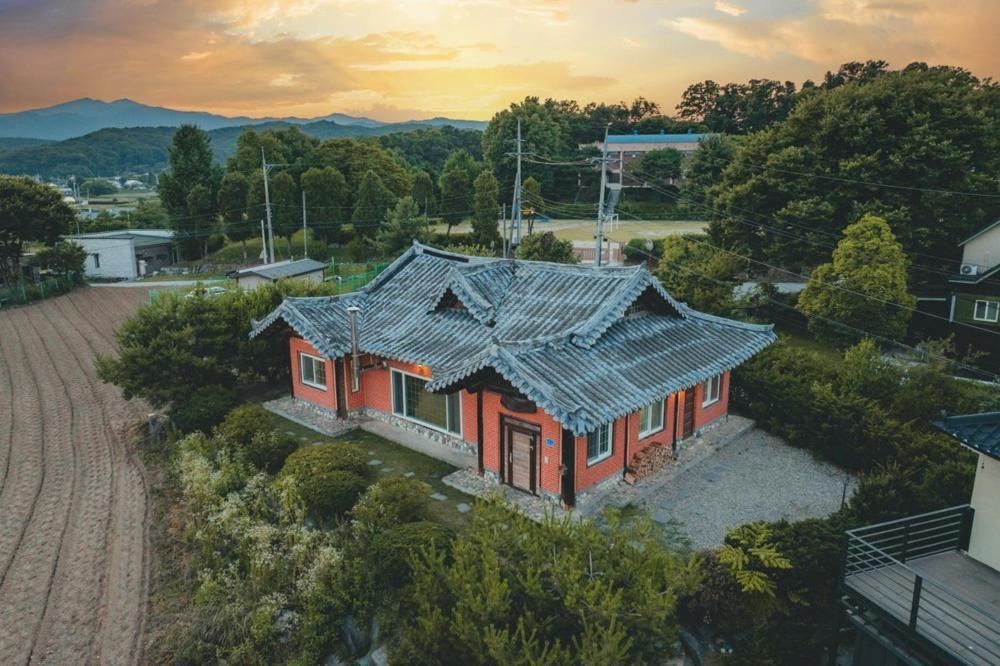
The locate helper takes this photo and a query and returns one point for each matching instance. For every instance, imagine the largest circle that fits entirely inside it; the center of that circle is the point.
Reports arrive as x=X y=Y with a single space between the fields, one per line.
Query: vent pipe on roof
x=352 y=312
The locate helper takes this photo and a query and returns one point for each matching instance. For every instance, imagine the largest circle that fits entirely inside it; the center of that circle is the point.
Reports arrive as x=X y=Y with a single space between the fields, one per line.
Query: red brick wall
x=327 y=398
x=705 y=415
x=588 y=476
x=665 y=436
x=549 y=457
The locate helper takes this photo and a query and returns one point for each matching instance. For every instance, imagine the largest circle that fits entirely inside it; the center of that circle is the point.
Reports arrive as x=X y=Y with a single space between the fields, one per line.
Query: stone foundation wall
x=453 y=441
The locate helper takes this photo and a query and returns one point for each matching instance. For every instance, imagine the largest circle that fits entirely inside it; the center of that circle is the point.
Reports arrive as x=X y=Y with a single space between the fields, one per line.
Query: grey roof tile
x=556 y=332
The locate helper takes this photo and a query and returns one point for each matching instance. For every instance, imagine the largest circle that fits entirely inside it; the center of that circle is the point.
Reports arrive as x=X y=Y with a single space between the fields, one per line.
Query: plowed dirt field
x=73 y=499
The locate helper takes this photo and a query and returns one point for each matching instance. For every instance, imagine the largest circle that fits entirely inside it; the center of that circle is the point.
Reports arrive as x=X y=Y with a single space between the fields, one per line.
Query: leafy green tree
x=97 y=187
x=327 y=200
x=889 y=147
x=698 y=274
x=423 y=192
x=403 y=225
x=428 y=148
x=704 y=168
x=356 y=157
x=233 y=193
x=546 y=247
x=286 y=209
x=456 y=185
x=737 y=108
x=29 y=213
x=373 y=201
x=854 y=71
x=486 y=210
x=63 y=258
x=558 y=592
x=190 y=168
x=657 y=165
x=150 y=214
x=176 y=344
x=862 y=289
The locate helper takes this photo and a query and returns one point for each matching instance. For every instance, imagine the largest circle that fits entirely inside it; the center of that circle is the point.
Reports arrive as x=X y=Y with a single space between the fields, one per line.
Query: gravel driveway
x=755 y=477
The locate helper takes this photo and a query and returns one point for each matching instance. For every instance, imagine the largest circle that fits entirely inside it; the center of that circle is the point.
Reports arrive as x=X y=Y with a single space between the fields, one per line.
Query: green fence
x=26 y=292
x=351 y=277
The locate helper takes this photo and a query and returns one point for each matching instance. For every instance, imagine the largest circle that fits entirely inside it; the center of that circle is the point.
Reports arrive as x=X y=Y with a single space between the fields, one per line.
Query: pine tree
x=232 y=202
x=373 y=200
x=486 y=210
x=423 y=192
x=403 y=225
x=190 y=167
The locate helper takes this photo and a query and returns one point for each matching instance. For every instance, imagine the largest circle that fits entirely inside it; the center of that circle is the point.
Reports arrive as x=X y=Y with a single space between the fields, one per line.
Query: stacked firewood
x=649 y=461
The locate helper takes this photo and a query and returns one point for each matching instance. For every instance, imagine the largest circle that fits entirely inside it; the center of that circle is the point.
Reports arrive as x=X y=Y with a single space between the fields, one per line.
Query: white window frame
x=400 y=411
x=646 y=427
x=707 y=398
x=302 y=370
x=609 y=441
x=987 y=303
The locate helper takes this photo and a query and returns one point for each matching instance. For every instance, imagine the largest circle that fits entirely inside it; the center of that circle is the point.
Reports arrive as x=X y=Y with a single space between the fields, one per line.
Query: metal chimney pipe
x=352 y=312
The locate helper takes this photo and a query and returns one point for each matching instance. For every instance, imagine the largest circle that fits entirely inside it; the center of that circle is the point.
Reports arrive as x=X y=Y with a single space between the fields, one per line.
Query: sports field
x=580 y=230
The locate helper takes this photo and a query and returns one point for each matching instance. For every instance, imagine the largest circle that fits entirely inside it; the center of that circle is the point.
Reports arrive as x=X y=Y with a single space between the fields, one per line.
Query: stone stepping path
x=463 y=507
x=386 y=470
x=439 y=497
x=374 y=462
x=408 y=474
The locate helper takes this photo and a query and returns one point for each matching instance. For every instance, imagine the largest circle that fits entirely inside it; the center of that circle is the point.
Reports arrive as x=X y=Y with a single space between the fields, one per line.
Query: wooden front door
x=688 y=414
x=520 y=442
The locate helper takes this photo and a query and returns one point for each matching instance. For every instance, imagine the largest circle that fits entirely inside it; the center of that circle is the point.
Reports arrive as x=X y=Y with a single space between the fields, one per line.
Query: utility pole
x=516 y=206
x=267 y=208
x=305 y=232
x=599 y=248
x=263 y=243
x=503 y=236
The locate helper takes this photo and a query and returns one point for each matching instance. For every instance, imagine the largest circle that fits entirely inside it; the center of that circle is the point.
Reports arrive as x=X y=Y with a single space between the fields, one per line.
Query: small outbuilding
x=126 y=254
x=302 y=269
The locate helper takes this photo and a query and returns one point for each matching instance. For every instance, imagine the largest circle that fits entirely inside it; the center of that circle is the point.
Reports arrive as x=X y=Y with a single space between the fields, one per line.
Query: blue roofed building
x=625 y=148
x=555 y=376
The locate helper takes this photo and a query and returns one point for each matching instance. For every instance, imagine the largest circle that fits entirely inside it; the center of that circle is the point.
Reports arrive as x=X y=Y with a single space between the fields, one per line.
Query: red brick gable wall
x=327 y=398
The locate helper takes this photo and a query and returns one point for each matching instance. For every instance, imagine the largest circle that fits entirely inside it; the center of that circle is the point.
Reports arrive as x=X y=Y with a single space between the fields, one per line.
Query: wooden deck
x=959 y=605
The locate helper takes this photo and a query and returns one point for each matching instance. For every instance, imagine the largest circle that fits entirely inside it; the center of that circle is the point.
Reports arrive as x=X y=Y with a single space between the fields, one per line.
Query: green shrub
x=325 y=458
x=393 y=500
x=202 y=408
x=243 y=423
x=393 y=549
x=329 y=495
x=268 y=450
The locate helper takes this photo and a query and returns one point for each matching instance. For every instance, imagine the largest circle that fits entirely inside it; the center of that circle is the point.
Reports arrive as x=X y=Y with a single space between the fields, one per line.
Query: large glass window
x=651 y=418
x=599 y=443
x=713 y=388
x=987 y=311
x=312 y=371
x=410 y=400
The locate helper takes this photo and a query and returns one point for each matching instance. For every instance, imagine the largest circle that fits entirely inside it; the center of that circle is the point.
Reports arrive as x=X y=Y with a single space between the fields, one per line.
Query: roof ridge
x=697 y=314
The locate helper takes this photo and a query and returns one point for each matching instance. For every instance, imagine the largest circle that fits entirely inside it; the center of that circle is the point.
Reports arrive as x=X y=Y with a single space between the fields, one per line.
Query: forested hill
x=110 y=152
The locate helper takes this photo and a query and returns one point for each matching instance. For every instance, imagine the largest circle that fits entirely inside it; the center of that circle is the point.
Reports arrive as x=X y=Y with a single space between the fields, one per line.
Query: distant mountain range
x=134 y=150
x=86 y=115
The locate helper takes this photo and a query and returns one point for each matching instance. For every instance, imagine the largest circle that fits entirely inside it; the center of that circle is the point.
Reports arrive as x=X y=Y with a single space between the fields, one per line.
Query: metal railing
x=876 y=568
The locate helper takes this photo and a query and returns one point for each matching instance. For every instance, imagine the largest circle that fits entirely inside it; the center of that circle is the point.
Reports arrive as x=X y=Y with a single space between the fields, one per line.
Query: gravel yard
x=754 y=477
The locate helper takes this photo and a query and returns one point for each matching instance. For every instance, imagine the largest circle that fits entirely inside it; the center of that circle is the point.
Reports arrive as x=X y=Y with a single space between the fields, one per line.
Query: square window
x=651 y=419
x=599 y=443
x=987 y=311
x=411 y=401
x=312 y=371
x=712 y=390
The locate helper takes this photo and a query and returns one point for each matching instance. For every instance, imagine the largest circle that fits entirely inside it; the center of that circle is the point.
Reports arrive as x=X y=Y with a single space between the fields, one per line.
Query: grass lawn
x=803 y=341
x=401 y=460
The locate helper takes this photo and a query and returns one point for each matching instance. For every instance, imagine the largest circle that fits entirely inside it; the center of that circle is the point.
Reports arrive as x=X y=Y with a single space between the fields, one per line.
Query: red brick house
x=554 y=375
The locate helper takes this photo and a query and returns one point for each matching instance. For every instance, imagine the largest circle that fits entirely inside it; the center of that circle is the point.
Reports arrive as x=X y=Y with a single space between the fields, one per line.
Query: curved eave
x=288 y=313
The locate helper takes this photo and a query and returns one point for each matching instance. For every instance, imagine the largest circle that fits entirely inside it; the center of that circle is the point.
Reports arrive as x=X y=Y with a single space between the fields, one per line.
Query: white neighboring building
x=302 y=269
x=126 y=254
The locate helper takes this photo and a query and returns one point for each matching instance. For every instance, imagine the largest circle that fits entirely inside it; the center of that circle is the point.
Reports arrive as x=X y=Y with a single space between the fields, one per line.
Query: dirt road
x=73 y=503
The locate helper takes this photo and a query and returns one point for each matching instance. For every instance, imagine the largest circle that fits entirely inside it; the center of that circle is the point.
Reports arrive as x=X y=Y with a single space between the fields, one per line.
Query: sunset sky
x=403 y=59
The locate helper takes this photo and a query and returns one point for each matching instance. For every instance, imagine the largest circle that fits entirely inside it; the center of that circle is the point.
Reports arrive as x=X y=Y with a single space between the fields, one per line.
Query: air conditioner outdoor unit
x=970 y=269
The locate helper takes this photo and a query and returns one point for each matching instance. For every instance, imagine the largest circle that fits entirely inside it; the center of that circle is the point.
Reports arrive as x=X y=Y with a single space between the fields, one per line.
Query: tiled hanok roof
x=979 y=432
x=557 y=332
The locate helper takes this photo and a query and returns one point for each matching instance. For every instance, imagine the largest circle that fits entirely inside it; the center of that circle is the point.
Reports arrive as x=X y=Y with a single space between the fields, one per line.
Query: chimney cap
x=354 y=309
